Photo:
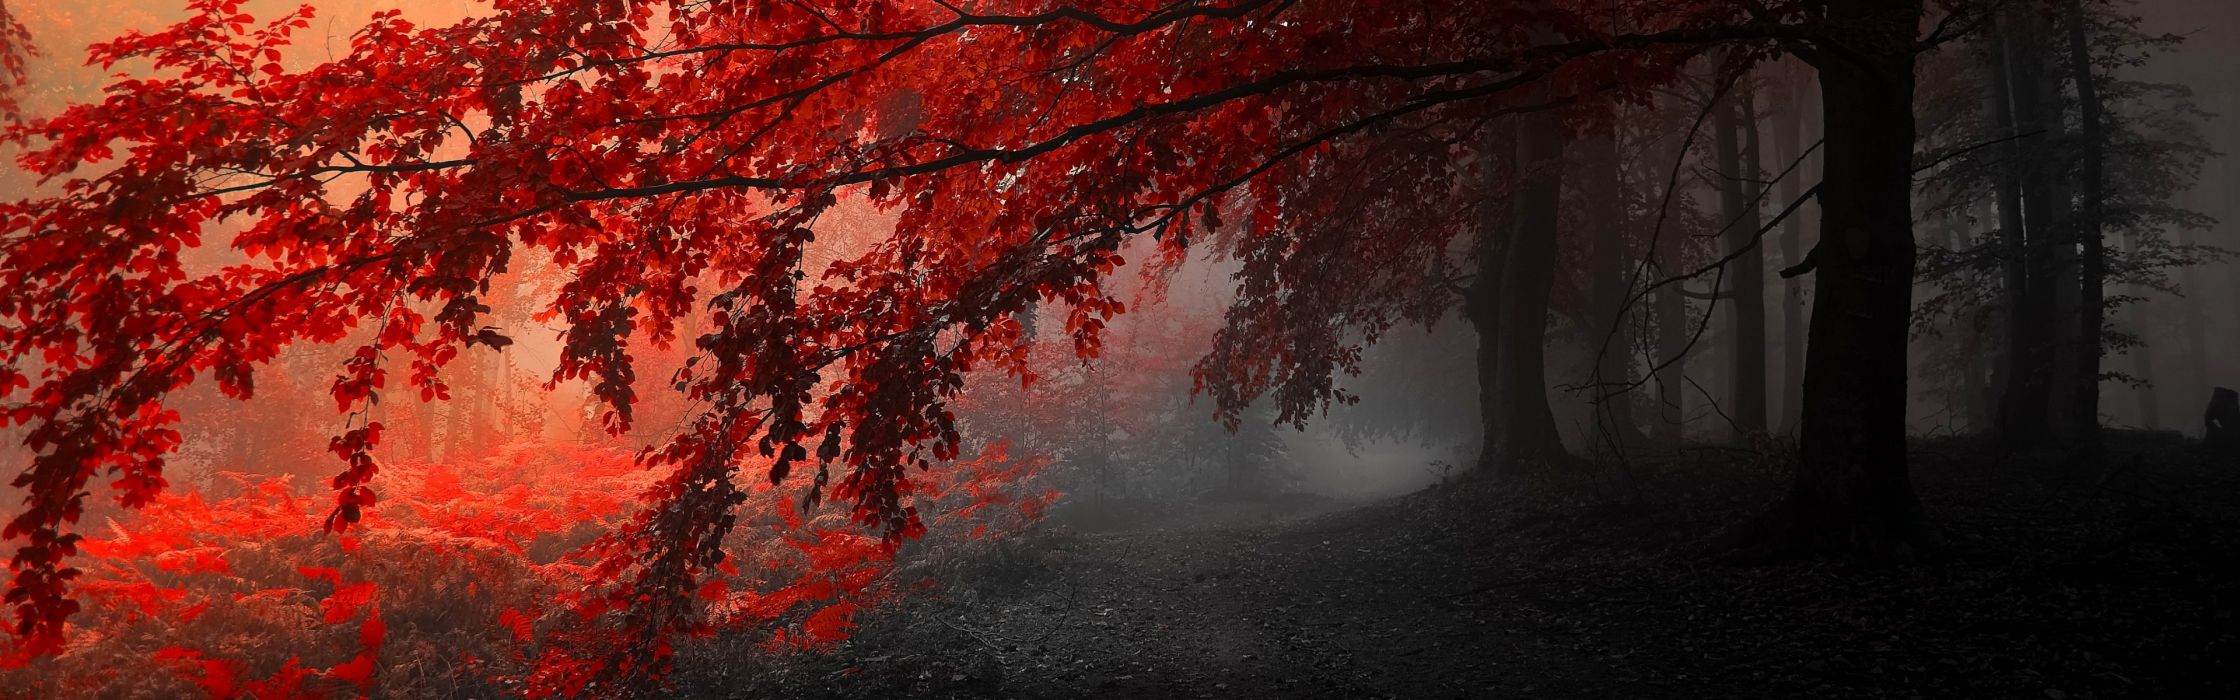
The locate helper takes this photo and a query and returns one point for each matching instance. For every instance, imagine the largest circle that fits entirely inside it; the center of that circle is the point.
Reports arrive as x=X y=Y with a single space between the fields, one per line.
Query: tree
x=1521 y=432
x=673 y=167
x=1789 y=145
x=1604 y=195
x=2135 y=143
x=1739 y=173
x=2093 y=271
x=2023 y=409
x=15 y=47
x=1853 y=492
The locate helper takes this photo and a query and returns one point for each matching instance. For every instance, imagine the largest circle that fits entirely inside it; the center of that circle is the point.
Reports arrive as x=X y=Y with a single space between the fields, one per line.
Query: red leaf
x=357 y=671
x=194 y=611
x=830 y=624
x=517 y=622
x=219 y=677
x=346 y=601
x=372 y=631
x=716 y=588
x=331 y=576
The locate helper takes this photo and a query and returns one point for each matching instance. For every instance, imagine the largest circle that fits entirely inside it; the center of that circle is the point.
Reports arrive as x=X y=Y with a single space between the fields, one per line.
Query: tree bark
x=1610 y=334
x=1672 y=350
x=1988 y=355
x=2023 y=415
x=1736 y=145
x=1481 y=300
x=1524 y=435
x=1788 y=146
x=2092 y=254
x=2193 y=287
x=1669 y=312
x=1853 y=495
x=2015 y=352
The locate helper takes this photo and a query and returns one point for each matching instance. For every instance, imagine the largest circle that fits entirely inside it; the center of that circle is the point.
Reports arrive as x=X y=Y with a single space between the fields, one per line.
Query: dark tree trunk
x=1669 y=314
x=2092 y=254
x=1736 y=145
x=1672 y=350
x=2015 y=352
x=2149 y=404
x=1610 y=334
x=1481 y=304
x=1853 y=495
x=2193 y=288
x=2066 y=263
x=1524 y=431
x=1788 y=146
x=2023 y=415
x=1988 y=355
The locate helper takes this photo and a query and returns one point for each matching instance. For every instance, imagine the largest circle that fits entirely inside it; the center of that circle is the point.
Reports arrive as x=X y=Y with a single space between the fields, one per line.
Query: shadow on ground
x=2061 y=582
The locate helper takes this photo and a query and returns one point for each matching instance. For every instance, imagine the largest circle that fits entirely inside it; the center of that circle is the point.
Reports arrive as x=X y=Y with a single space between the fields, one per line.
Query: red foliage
x=464 y=550
x=376 y=196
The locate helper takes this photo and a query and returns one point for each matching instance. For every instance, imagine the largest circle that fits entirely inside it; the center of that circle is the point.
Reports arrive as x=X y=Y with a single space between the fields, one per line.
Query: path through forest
x=2060 y=585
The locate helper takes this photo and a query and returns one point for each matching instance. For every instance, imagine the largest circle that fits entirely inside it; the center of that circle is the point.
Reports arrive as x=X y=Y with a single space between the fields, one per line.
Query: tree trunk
x=2023 y=416
x=1988 y=353
x=2092 y=256
x=1481 y=305
x=1669 y=313
x=2149 y=405
x=1737 y=152
x=1788 y=146
x=1610 y=334
x=1672 y=350
x=1853 y=495
x=1525 y=434
x=2193 y=289
x=2066 y=278
x=2015 y=353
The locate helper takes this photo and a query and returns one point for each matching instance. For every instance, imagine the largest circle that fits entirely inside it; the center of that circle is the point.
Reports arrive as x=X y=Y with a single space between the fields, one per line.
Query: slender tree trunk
x=2067 y=265
x=424 y=435
x=1525 y=435
x=2016 y=352
x=2142 y=363
x=1989 y=353
x=1672 y=350
x=1669 y=314
x=2092 y=257
x=1853 y=495
x=1610 y=335
x=1788 y=146
x=2064 y=262
x=2023 y=410
x=1737 y=152
x=2193 y=289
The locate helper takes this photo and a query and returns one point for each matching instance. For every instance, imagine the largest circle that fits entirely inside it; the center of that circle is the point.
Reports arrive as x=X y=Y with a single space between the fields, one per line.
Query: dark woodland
x=1120 y=348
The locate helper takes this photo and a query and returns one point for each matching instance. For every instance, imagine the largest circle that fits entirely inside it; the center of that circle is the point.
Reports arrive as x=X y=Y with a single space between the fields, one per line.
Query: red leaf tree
x=670 y=157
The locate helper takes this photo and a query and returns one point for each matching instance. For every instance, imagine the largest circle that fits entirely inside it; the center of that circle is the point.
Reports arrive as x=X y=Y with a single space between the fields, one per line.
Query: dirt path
x=1299 y=609
x=2055 y=590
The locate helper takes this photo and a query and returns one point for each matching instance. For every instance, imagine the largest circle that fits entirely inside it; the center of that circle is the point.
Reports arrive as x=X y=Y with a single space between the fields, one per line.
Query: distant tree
x=2115 y=178
x=15 y=49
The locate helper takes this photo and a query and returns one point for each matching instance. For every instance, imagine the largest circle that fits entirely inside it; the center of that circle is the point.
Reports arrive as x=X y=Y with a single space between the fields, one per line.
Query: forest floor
x=2058 y=582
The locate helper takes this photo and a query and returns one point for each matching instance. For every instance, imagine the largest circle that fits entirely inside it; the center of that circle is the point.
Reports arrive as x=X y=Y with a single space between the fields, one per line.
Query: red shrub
x=464 y=575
